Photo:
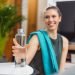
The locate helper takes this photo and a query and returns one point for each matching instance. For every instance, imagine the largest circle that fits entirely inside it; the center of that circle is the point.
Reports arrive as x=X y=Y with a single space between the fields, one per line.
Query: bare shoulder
x=34 y=40
x=65 y=42
x=65 y=39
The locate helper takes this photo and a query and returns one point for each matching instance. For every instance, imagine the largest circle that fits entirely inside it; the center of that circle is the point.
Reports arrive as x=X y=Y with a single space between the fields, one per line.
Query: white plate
x=10 y=69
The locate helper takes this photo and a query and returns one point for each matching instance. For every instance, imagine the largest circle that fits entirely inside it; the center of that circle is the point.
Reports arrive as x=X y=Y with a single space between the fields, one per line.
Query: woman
x=49 y=55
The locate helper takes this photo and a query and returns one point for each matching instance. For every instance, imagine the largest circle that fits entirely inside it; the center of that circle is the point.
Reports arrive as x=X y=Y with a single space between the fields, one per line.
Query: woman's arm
x=32 y=49
x=64 y=54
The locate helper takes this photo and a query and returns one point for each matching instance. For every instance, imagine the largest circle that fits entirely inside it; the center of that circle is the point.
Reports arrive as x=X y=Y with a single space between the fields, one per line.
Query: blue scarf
x=48 y=54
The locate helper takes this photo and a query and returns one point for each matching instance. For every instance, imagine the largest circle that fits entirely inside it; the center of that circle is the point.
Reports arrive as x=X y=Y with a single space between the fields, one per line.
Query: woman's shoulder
x=65 y=41
x=63 y=38
x=34 y=38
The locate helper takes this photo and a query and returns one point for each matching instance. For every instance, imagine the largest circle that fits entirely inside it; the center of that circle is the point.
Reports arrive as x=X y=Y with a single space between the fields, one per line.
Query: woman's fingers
x=19 y=53
x=17 y=47
x=15 y=51
x=15 y=42
x=20 y=47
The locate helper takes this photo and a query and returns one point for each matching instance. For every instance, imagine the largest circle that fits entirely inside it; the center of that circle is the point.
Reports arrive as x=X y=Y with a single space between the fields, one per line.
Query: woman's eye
x=47 y=17
x=53 y=16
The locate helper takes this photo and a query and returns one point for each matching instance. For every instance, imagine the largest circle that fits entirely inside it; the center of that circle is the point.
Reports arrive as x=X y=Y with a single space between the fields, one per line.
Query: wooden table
x=72 y=46
x=71 y=51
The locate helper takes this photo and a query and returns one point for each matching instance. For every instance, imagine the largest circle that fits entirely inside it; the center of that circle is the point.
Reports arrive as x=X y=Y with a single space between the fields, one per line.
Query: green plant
x=8 y=19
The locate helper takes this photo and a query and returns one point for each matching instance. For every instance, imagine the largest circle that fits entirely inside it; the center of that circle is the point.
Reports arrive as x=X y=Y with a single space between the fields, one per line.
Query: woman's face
x=52 y=19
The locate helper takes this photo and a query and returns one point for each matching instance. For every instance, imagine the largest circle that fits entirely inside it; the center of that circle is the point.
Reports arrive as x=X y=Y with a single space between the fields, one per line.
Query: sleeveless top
x=37 y=63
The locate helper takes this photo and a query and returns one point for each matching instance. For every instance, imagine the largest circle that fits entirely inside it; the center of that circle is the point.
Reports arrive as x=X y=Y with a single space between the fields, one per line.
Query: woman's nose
x=50 y=19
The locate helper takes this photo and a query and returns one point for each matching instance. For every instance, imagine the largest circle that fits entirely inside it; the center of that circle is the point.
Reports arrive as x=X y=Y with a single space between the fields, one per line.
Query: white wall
x=25 y=13
x=41 y=6
x=65 y=0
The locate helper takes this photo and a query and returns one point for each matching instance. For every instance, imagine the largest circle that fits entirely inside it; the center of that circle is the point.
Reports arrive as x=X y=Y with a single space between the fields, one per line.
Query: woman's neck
x=52 y=34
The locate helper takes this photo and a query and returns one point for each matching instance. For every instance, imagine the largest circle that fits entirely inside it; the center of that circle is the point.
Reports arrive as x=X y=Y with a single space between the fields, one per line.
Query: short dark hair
x=56 y=8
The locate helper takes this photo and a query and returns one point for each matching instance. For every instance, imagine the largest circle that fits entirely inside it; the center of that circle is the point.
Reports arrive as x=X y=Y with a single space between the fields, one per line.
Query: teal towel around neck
x=48 y=55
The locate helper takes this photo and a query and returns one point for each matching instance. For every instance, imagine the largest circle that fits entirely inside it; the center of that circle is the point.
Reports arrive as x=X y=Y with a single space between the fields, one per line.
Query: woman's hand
x=19 y=52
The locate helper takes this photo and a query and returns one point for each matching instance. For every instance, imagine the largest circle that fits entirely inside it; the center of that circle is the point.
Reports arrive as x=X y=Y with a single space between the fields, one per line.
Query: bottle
x=21 y=39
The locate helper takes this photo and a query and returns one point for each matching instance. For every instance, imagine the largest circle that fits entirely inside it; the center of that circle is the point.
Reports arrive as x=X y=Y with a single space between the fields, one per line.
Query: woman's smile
x=51 y=24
